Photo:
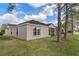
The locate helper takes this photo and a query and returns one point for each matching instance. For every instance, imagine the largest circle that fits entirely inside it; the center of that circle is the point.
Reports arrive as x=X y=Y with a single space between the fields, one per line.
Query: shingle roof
x=34 y=22
x=50 y=24
x=11 y=25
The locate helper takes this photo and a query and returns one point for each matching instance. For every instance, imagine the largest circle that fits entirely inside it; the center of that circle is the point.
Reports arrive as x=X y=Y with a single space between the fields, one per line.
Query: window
x=36 y=31
x=51 y=31
x=16 y=31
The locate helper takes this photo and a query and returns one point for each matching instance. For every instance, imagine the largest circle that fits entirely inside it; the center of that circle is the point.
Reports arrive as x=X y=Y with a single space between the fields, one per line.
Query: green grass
x=41 y=47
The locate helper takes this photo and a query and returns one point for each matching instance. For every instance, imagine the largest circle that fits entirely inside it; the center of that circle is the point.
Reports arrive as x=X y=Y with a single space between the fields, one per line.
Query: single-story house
x=30 y=30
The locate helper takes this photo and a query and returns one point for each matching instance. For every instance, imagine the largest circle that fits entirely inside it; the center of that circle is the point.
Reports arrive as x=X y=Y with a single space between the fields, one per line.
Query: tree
x=66 y=22
x=72 y=19
x=69 y=12
x=73 y=14
x=11 y=6
x=59 y=23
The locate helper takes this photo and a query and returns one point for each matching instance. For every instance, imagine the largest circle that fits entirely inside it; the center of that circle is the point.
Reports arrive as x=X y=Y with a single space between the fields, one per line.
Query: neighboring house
x=30 y=30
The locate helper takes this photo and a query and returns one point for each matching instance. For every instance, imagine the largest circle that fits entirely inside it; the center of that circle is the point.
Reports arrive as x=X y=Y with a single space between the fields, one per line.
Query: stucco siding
x=11 y=31
x=43 y=31
x=22 y=32
x=14 y=32
x=7 y=32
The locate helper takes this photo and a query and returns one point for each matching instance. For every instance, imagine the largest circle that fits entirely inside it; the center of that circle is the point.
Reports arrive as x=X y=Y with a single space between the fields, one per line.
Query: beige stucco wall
x=10 y=29
x=7 y=32
x=43 y=31
x=22 y=31
x=25 y=31
x=14 y=31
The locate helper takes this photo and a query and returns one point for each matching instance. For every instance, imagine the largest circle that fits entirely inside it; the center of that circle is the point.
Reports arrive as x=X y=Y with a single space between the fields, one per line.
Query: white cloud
x=9 y=18
x=37 y=4
x=48 y=10
x=17 y=12
x=38 y=17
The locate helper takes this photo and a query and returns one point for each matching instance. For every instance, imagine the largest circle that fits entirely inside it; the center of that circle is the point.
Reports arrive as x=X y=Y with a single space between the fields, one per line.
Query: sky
x=28 y=11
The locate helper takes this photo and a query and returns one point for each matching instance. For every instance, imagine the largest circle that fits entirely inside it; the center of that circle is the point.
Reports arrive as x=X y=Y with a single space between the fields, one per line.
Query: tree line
x=70 y=12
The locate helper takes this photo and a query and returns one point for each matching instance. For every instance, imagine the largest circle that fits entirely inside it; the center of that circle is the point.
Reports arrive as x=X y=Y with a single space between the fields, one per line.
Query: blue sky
x=28 y=11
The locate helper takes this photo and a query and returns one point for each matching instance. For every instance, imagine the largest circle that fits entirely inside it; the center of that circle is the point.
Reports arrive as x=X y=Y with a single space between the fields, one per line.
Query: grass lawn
x=43 y=46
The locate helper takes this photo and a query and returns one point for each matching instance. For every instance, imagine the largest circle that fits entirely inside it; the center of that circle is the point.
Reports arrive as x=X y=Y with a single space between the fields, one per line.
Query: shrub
x=70 y=31
x=2 y=32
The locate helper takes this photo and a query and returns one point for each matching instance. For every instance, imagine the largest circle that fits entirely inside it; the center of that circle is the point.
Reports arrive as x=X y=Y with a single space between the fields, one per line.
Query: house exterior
x=11 y=30
x=30 y=30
